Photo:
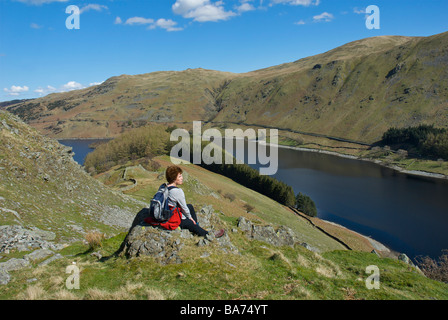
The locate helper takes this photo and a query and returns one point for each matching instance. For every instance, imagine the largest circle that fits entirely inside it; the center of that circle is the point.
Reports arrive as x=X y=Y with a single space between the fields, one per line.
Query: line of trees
x=150 y=141
x=426 y=140
x=306 y=205
x=144 y=142
x=252 y=179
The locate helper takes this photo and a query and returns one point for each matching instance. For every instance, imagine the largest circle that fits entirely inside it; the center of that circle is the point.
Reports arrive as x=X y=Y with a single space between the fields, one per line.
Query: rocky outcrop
x=161 y=244
x=165 y=246
x=15 y=264
x=18 y=238
x=282 y=236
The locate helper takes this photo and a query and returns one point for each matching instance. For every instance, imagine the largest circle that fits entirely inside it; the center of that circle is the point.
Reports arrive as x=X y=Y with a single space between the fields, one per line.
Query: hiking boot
x=219 y=233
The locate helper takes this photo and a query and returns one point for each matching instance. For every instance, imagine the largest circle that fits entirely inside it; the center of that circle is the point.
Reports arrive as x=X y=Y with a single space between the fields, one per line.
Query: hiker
x=176 y=198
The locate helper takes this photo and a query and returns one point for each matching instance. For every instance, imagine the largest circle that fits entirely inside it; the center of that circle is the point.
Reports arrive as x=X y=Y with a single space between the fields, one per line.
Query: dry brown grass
x=34 y=292
x=94 y=239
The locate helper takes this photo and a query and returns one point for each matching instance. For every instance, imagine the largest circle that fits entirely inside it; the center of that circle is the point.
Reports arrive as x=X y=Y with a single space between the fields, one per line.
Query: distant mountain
x=356 y=91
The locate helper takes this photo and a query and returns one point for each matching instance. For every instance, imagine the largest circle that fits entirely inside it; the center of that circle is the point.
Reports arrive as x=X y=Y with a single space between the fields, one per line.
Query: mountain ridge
x=356 y=91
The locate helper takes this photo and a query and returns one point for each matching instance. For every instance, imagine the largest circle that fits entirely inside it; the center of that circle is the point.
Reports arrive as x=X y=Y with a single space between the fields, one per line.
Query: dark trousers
x=189 y=225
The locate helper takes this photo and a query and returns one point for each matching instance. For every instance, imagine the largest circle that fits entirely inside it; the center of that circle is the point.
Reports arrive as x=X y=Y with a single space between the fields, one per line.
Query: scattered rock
x=308 y=247
x=14 y=264
x=53 y=258
x=403 y=257
x=375 y=252
x=4 y=277
x=97 y=254
x=280 y=237
x=244 y=225
x=18 y=238
x=38 y=255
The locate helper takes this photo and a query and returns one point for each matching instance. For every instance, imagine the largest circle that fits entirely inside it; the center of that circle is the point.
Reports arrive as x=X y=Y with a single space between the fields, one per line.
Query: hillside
x=122 y=102
x=356 y=92
x=48 y=204
x=42 y=187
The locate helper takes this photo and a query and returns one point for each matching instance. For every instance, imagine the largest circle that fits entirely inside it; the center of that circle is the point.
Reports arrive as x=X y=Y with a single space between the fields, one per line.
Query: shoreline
x=378 y=246
x=380 y=163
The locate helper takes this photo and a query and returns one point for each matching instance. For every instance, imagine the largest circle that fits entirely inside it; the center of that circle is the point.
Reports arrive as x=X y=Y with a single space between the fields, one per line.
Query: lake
x=80 y=147
x=405 y=212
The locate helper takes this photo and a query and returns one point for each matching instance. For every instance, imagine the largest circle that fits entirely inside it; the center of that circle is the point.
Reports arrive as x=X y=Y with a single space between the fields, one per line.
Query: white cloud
x=359 y=11
x=244 y=7
x=118 y=20
x=44 y=91
x=16 y=90
x=168 y=25
x=305 y=3
x=202 y=10
x=40 y=2
x=71 y=85
x=95 y=83
x=93 y=6
x=300 y=22
x=139 y=20
x=325 y=16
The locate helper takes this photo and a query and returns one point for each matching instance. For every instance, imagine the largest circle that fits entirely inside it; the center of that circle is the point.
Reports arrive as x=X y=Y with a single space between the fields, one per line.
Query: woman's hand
x=193 y=220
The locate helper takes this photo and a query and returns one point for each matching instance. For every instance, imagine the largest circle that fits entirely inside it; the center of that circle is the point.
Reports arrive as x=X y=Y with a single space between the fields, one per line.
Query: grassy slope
x=42 y=186
x=203 y=187
x=260 y=271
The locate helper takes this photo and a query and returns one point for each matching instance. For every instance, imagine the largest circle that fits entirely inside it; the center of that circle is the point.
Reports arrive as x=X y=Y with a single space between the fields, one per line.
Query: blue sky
x=40 y=55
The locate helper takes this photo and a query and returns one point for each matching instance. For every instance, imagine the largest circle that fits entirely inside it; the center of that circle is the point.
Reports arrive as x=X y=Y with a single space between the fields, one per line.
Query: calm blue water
x=406 y=213
x=80 y=148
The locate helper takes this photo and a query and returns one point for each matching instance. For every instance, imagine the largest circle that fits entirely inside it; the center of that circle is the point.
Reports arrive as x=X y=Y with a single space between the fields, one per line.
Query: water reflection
x=407 y=213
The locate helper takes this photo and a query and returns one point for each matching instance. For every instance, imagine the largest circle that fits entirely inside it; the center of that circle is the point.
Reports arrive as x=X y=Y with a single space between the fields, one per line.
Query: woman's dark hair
x=171 y=173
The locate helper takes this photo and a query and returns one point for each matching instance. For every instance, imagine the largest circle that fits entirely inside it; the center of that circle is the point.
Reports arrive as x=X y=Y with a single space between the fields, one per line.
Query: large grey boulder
x=164 y=245
x=161 y=244
x=282 y=236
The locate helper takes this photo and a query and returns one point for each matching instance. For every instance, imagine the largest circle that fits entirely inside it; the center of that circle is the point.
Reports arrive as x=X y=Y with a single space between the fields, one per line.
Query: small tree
x=305 y=204
x=433 y=269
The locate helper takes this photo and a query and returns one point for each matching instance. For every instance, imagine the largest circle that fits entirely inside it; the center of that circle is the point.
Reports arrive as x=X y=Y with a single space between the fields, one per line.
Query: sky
x=51 y=46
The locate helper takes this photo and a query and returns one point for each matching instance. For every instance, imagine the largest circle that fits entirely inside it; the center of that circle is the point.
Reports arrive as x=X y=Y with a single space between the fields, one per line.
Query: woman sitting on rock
x=177 y=199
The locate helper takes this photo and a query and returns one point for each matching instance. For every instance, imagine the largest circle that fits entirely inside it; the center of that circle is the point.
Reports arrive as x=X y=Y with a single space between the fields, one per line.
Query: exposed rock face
x=156 y=242
x=164 y=245
x=18 y=238
x=282 y=236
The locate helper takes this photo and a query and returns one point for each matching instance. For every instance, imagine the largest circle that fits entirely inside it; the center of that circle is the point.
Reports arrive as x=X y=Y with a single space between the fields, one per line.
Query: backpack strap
x=174 y=208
